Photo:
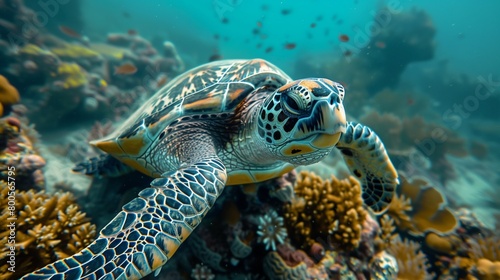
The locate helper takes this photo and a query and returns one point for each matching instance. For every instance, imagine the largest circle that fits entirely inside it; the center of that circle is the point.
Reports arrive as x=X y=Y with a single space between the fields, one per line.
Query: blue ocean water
x=465 y=30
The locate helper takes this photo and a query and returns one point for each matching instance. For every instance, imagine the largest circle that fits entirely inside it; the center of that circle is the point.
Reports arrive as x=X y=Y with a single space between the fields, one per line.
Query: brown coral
x=325 y=210
x=47 y=228
x=412 y=263
x=420 y=208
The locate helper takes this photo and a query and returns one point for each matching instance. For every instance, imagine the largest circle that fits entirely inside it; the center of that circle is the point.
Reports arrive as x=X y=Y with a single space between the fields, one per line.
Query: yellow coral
x=34 y=50
x=488 y=270
x=74 y=51
x=412 y=263
x=419 y=208
x=325 y=210
x=48 y=228
x=72 y=75
x=110 y=50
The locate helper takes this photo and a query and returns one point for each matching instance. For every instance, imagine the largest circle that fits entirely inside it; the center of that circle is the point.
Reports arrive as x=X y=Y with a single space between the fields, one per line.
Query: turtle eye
x=293 y=104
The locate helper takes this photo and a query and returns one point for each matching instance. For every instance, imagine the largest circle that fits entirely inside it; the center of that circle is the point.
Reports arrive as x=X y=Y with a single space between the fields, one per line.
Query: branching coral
x=48 y=228
x=412 y=263
x=325 y=210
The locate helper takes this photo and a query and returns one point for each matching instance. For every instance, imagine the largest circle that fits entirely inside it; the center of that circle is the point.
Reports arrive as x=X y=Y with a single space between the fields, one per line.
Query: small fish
x=215 y=57
x=380 y=45
x=258 y=46
x=126 y=15
x=334 y=17
x=162 y=80
x=339 y=22
x=290 y=46
x=225 y=20
x=264 y=7
x=255 y=31
x=286 y=12
x=69 y=32
x=319 y=18
x=216 y=36
x=313 y=25
x=132 y=32
x=125 y=69
x=410 y=101
x=344 y=38
x=347 y=53
x=259 y=24
x=269 y=49
x=263 y=36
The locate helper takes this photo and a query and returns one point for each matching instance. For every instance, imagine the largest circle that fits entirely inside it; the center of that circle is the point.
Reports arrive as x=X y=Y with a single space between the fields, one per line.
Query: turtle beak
x=325 y=119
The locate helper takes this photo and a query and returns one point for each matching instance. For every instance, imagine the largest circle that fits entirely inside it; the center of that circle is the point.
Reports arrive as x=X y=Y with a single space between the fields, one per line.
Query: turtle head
x=302 y=121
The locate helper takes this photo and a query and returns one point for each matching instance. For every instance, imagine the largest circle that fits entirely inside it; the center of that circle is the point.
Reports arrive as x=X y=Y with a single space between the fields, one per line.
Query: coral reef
x=325 y=210
x=17 y=150
x=48 y=228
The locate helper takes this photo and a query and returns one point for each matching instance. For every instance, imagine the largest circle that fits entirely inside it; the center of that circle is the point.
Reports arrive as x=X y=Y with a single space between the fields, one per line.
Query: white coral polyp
x=271 y=230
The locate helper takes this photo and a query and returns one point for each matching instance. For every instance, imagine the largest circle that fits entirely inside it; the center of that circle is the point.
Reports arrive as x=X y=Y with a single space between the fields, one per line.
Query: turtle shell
x=214 y=87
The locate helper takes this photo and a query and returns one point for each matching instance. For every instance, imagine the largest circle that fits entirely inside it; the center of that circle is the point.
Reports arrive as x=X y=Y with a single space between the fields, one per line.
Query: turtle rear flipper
x=366 y=157
x=104 y=165
x=149 y=229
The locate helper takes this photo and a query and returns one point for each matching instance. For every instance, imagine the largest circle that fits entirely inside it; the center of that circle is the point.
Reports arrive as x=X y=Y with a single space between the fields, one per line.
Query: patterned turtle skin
x=223 y=123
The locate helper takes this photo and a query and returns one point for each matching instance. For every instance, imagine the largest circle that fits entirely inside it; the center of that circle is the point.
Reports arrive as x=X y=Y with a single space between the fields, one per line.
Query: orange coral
x=325 y=210
x=48 y=228
x=8 y=94
x=488 y=270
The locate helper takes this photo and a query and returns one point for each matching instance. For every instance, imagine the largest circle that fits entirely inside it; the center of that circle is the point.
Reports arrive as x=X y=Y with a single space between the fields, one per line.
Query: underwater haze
x=357 y=139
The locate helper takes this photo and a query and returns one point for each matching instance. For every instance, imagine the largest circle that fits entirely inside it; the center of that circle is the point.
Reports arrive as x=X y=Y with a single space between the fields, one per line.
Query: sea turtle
x=223 y=123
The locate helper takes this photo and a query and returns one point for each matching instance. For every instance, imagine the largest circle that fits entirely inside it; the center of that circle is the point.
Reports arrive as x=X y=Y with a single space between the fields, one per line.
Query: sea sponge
x=412 y=263
x=447 y=244
x=325 y=210
x=48 y=228
x=8 y=93
x=71 y=75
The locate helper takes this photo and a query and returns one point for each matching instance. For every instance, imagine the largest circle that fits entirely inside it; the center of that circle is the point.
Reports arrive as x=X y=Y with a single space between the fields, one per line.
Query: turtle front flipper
x=149 y=229
x=367 y=159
